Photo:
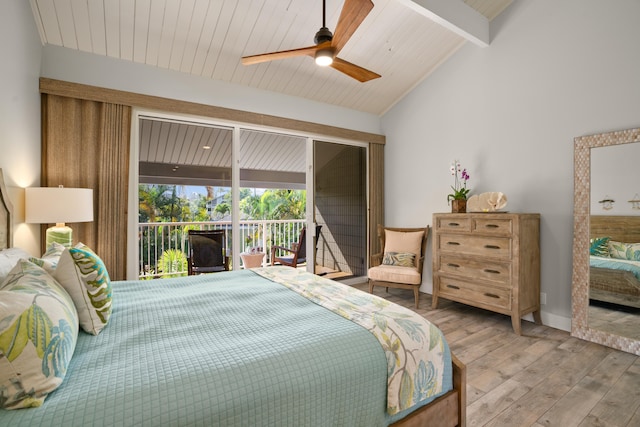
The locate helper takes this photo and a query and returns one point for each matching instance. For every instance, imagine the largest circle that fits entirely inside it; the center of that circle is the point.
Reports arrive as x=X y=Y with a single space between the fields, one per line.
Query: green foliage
x=173 y=262
x=160 y=203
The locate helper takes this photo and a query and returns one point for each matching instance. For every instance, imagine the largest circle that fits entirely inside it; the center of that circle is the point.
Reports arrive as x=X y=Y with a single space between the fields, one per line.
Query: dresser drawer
x=498 y=272
x=476 y=294
x=496 y=247
x=460 y=223
x=496 y=227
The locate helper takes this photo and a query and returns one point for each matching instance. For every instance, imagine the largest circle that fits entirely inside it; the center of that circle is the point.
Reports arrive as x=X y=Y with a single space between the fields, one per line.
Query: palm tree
x=152 y=200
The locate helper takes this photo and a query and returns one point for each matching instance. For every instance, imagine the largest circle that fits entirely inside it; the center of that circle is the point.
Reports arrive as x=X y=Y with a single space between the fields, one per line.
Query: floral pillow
x=599 y=246
x=9 y=258
x=49 y=260
x=38 y=333
x=399 y=259
x=628 y=251
x=83 y=274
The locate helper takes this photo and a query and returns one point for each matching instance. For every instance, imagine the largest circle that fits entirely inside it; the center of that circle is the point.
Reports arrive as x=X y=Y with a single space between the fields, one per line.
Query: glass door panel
x=340 y=197
x=272 y=201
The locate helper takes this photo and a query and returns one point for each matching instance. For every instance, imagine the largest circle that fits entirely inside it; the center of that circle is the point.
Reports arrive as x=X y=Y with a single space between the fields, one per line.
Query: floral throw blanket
x=415 y=349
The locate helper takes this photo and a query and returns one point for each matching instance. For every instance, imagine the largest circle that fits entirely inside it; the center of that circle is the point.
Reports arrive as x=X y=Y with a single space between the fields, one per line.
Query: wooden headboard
x=619 y=228
x=6 y=216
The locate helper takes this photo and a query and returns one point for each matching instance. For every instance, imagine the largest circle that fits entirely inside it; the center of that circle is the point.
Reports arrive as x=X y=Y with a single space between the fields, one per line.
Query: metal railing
x=164 y=246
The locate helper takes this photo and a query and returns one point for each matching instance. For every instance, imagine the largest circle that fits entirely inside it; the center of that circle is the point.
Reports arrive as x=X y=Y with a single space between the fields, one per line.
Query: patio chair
x=207 y=252
x=401 y=261
x=295 y=255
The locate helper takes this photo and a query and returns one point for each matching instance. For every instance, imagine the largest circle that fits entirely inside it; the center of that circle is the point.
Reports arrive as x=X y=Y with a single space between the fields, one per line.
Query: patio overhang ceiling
x=168 y=174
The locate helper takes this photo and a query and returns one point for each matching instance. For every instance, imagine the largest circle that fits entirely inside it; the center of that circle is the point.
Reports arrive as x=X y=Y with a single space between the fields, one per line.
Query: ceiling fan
x=329 y=45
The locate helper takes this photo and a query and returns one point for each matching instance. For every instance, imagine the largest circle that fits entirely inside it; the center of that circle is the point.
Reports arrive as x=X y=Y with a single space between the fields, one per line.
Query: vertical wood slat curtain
x=376 y=195
x=86 y=144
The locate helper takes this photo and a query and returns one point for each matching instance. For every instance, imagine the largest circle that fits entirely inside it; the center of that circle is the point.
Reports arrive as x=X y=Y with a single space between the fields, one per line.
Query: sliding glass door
x=263 y=187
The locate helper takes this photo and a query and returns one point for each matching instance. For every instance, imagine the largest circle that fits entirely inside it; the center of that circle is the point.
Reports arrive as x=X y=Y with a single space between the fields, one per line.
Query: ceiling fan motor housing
x=323 y=35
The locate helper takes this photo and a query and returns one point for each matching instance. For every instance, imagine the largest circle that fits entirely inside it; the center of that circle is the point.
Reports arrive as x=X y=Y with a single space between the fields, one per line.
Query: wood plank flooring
x=543 y=378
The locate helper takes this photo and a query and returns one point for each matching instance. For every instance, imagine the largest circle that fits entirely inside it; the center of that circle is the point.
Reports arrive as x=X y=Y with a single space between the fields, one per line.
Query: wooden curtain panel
x=376 y=195
x=86 y=144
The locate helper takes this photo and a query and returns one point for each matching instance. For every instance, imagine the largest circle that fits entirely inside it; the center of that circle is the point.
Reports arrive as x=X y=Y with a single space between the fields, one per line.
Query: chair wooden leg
x=370 y=287
x=387 y=289
x=416 y=294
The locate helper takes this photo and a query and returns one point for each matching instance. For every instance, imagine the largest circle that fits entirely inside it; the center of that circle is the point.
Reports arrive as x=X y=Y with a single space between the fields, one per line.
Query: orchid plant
x=460 y=190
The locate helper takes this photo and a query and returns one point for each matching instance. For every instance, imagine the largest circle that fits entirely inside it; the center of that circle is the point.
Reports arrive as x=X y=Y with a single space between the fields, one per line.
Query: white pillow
x=84 y=276
x=8 y=259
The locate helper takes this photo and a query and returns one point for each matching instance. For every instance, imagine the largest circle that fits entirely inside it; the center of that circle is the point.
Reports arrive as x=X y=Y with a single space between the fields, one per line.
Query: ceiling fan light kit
x=324 y=57
x=329 y=45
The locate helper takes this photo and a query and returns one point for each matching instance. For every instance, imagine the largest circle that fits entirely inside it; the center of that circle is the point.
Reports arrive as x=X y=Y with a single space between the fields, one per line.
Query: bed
x=613 y=279
x=271 y=346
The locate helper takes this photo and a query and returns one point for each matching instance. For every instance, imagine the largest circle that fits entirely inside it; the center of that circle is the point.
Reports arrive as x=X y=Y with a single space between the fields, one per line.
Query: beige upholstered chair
x=400 y=263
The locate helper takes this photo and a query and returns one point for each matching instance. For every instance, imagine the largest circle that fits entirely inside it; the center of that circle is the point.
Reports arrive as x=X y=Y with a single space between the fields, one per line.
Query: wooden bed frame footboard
x=449 y=410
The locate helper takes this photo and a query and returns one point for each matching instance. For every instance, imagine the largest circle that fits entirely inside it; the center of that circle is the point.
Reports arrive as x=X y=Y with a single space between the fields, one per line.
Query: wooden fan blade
x=352 y=70
x=265 y=57
x=352 y=14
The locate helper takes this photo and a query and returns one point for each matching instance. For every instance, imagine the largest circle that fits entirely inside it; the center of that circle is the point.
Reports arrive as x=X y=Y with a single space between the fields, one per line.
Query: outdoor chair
x=400 y=263
x=207 y=252
x=297 y=253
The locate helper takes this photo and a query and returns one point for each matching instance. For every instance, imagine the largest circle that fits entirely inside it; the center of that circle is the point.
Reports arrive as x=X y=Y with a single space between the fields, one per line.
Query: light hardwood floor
x=543 y=378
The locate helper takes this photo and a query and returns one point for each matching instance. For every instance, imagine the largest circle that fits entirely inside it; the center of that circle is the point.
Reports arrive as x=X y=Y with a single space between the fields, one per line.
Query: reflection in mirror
x=606 y=285
x=614 y=265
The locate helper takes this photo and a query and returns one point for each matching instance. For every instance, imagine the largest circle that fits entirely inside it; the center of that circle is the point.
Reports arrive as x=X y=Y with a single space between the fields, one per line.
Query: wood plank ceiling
x=399 y=39
x=207 y=38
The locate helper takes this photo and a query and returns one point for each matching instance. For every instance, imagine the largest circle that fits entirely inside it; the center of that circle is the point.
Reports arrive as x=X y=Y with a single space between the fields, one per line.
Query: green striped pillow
x=399 y=259
x=83 y=274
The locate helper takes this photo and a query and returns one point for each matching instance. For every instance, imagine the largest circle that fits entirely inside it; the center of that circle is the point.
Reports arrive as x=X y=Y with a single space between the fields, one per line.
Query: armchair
x=401 y=261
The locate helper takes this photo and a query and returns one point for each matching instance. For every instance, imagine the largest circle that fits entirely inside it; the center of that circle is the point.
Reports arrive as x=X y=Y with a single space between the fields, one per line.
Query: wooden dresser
x=488 y=260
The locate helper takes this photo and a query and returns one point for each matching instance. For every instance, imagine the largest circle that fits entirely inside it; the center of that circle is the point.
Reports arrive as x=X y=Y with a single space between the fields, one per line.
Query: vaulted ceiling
x=402 y=40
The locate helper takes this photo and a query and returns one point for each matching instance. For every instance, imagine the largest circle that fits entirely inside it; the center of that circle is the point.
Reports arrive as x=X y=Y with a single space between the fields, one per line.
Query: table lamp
x=49 y=205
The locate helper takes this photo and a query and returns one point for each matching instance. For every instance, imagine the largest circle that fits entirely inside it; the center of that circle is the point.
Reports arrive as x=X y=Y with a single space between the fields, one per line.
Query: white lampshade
x=49 y=205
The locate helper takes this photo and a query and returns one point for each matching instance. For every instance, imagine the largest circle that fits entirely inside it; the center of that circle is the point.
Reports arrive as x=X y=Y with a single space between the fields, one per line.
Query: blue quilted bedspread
x=616 y=264
x=227 y=349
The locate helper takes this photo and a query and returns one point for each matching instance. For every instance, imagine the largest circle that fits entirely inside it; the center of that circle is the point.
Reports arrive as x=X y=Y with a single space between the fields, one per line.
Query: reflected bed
x=615 y=280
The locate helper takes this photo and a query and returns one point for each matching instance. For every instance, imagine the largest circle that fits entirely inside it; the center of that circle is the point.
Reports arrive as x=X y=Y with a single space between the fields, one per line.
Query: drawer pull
x=453 y=265
x=453 y=224
x=487 y=270
x=492 y=247
x=492 y=295
x=453 y=243
x=492 y=226
x=453 y=287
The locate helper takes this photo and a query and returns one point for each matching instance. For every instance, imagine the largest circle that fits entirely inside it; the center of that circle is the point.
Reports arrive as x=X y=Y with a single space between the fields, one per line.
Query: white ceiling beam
x=456 y=16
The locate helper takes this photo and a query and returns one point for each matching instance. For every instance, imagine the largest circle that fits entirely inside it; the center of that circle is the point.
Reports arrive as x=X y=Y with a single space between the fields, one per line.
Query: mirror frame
x=581 y=216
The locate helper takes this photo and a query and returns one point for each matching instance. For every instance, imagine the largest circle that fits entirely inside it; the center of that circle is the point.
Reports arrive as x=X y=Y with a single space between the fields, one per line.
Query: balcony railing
x=164 y=246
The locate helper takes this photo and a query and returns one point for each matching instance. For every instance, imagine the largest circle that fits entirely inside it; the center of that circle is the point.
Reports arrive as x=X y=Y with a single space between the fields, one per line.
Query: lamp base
x=61 y=235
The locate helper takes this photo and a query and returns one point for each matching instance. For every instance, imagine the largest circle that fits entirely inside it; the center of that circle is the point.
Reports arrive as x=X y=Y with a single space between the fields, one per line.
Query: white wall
x=554 y=70
x=20 y=49
x=615 y=174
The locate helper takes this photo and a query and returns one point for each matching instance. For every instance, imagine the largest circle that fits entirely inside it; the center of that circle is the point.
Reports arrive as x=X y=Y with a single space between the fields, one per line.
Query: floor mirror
x=605 y=296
